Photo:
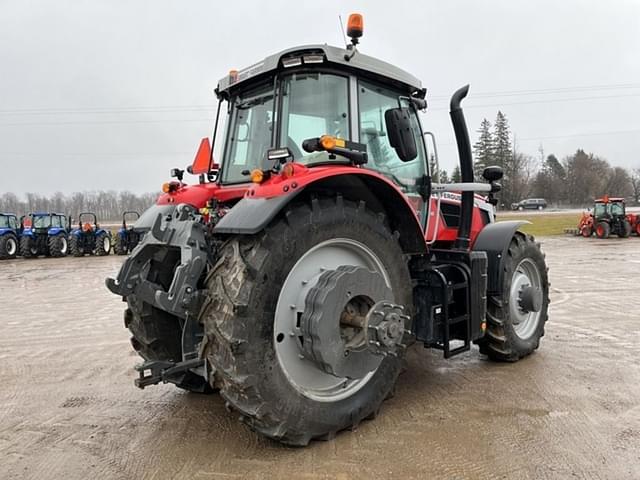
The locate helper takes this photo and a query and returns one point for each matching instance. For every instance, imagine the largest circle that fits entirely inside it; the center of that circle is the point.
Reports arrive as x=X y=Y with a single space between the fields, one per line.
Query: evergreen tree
x=501 y=141
x=504 y=157
x=456 y=176
x=483 y=149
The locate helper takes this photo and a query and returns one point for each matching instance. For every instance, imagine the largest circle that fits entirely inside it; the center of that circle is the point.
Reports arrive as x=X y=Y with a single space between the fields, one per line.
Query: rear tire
x=603 y=230
x=58 y=245
x=103 y=244
x=508 y=337
x=245 y=290
x=8 y=246
x=28 y=248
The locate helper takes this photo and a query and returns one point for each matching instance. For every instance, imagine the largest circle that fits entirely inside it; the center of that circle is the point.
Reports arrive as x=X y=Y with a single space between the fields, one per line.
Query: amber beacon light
x=355 y=27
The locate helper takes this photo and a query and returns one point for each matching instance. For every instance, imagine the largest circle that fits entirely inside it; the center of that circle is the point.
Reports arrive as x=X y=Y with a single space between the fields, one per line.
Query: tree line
x=108 y=206
x=573 y=181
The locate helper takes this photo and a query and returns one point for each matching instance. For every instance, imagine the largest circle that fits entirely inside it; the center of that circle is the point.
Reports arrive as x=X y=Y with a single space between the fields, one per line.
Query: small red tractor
x=608 y=217
x=295 y=274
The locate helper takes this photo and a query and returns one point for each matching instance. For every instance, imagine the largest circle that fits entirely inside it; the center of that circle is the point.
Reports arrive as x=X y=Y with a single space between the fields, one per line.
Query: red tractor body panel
x=297 y=177
x=198 y=195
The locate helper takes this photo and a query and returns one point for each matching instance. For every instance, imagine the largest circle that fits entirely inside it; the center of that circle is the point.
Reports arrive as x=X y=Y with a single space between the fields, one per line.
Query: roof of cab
x=335 y=55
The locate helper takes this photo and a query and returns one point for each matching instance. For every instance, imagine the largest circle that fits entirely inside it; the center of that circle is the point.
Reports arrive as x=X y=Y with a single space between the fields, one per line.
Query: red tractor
x=295 y=274
x=608 y=217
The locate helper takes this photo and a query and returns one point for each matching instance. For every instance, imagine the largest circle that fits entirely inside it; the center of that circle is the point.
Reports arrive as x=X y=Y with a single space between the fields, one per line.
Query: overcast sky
x=112 y=94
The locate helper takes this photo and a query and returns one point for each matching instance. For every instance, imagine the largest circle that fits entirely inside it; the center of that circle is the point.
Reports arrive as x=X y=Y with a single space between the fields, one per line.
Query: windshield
x=4 y=221
x=249 y=136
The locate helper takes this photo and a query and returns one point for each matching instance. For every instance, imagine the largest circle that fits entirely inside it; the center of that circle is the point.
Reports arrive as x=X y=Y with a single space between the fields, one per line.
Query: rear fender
x=55 y=231
x=253 y=213
x=494 y=239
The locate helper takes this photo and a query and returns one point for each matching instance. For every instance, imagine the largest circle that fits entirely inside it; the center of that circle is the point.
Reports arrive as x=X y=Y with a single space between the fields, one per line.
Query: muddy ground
x=69 y=410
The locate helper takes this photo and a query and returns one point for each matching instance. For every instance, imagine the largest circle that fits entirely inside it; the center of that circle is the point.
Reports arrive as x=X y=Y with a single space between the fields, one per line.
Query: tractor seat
x=87 y=227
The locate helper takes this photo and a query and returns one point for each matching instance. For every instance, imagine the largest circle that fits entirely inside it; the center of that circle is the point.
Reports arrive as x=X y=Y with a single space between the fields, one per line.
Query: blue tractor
x=88 y=237
x=46 y=235
x=9 y=236
x=127 y=238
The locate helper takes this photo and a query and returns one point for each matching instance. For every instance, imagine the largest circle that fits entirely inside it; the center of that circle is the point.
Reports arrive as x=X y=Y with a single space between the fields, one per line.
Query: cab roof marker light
x=313 y=58
x=291 y=62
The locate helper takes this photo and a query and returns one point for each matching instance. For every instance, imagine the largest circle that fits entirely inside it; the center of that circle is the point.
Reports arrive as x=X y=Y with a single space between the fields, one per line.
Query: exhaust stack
x=466 y=166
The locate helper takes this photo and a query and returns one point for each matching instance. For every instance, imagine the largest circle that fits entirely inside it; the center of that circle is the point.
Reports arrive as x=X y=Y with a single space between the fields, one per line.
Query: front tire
x=603 y=230
x=513 y=333
x=279 y=394
x=8 y=246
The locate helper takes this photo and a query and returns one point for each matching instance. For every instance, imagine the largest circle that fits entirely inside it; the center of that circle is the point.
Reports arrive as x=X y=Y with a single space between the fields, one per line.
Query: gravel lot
x=69 y=409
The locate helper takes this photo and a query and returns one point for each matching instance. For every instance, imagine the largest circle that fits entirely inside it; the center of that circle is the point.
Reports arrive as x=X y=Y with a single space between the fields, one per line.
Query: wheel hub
x=349 y=323
x=386 y=328
x=530 y=299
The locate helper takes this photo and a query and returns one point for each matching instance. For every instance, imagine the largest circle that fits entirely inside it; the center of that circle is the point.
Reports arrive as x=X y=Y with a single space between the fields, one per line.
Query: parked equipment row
x=51 y=235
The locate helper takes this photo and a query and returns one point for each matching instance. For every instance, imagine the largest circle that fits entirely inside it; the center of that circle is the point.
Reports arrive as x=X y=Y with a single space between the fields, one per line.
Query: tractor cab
x=44 y=234
x=608 y=217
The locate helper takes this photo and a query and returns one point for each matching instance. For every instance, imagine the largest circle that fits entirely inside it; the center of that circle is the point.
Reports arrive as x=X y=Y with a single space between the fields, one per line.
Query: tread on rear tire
x=244 y=289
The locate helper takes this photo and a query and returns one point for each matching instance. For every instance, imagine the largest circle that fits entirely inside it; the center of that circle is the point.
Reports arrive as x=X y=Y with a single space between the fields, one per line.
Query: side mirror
x=492 y=174
x=202 y=163
x=401 y=138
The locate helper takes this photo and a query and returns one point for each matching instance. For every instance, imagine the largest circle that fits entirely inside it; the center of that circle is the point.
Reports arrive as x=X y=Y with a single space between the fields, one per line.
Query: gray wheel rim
x=12 y=247
x=107 y=244
x=304 y=375
x=525 y=274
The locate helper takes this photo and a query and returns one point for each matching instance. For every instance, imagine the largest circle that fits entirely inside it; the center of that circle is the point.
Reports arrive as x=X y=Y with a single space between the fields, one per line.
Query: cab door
x=373 y=101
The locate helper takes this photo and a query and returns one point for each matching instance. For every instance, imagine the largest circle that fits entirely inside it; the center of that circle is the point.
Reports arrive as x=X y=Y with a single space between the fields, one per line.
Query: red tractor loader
x=608 y=217
x=295 y=274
